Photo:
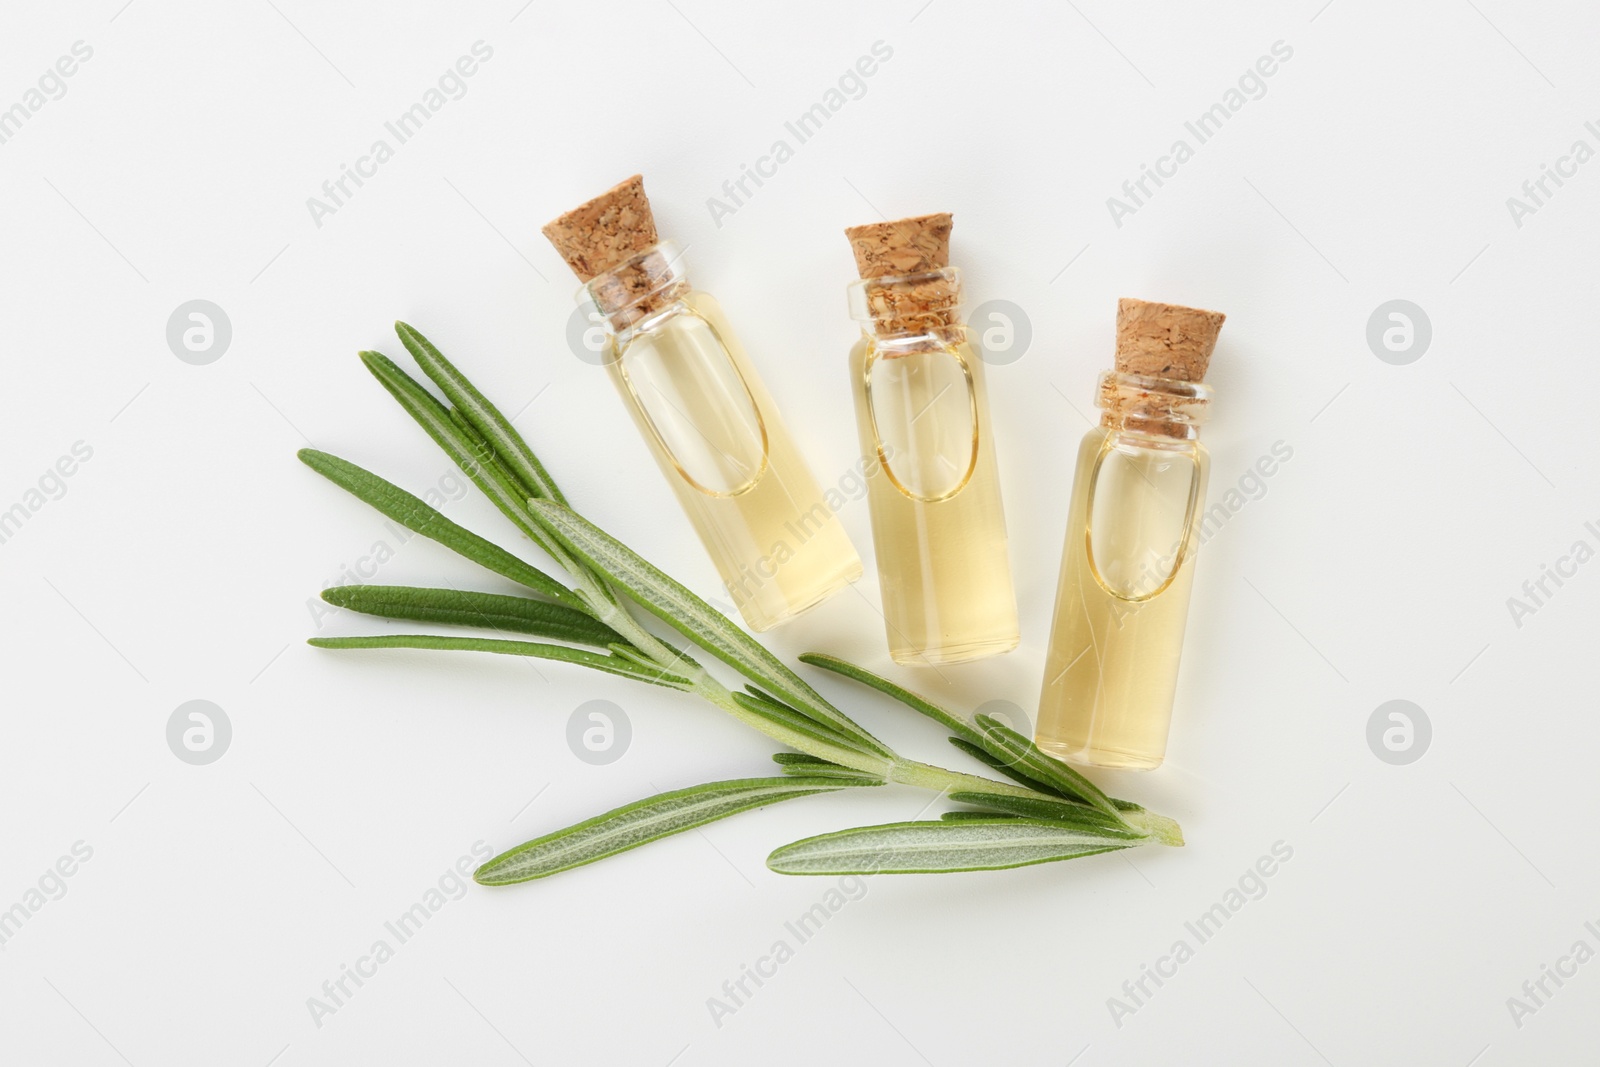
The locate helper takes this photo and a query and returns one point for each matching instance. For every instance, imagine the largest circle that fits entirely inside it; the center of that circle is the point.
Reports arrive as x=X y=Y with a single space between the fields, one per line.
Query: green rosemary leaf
x=965 y=814
x=480 y=448
x=464 y=451
x=930 y=847
x=508 y=443
x=633 y=655
x=1080 y=816
x=803 y=763
x=609 y=664
x=943 y=716
x=799 y=759
x=410 y=512
x=1006 y=744
x=756 y=700
x=982 y=756
x=834 y=770
x=675 y=605
x=644 y=821
x=456 y=607
x=757 y=691
x=804 y=725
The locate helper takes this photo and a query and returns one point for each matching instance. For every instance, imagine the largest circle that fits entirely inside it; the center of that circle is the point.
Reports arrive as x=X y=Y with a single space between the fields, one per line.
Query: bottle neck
x=1166 y=411
x=909 y=312
x=639 y=287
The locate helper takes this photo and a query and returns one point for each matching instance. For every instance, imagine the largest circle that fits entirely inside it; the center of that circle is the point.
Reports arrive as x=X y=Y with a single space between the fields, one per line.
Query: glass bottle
x=717 y=436
x=1111 y=670
x=923 y=418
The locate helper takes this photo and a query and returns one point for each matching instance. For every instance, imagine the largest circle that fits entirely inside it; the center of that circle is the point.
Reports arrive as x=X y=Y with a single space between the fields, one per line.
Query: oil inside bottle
x=937 y=521
x=1122 y=602
x=717 y=436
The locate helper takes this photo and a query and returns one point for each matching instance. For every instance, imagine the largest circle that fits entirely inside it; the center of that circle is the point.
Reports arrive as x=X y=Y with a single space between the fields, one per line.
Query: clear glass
x=1111 y=670
x=937 y=521
x=717 y=437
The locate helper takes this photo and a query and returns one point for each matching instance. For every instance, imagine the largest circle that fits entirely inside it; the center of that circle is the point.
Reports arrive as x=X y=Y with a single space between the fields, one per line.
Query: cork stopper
x=905 y=246
x=1165 y=340
x=607 y=231
x=923 y=304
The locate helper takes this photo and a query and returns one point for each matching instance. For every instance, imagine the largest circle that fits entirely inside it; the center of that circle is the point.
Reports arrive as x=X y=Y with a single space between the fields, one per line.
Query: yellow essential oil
x=718 y=439
x=1122 y=602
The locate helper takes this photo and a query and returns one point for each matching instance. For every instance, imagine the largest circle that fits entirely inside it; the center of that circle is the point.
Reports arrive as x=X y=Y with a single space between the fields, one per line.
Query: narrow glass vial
x=1111 y=670
x=717 y=437
x=937 y=522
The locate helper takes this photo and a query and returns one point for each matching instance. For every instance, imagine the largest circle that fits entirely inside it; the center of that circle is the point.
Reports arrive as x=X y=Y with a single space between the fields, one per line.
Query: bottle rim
x=1152 y=405
x=641 y=278
x=940 y=288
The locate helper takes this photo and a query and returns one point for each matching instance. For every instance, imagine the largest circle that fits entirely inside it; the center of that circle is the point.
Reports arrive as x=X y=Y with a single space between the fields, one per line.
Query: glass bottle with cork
x=1132 y=533
x=923 y=418
x=704 y=413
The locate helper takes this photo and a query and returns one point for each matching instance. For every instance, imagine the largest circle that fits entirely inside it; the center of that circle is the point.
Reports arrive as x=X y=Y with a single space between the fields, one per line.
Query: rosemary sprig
x=1045 y=812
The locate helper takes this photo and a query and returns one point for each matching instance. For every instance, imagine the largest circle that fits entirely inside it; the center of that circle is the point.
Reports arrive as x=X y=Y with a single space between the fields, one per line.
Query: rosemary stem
x=610 y=610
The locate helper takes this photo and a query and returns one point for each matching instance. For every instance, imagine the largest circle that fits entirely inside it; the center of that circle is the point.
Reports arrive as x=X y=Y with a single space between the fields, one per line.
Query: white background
x=182 y=558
